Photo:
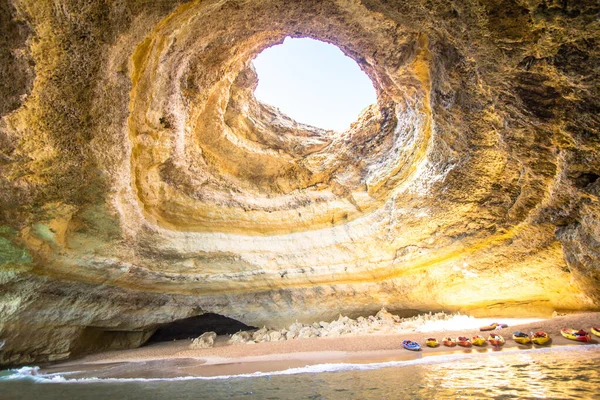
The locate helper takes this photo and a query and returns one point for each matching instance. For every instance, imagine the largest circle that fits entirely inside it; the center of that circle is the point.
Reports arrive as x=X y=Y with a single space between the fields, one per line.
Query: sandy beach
x=235 y=359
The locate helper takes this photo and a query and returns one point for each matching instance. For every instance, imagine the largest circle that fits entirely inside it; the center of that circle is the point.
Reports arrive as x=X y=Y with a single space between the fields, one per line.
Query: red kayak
x=577 y=335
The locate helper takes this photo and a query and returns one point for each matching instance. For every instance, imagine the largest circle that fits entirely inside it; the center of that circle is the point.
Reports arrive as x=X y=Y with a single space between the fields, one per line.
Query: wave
x=33 y=374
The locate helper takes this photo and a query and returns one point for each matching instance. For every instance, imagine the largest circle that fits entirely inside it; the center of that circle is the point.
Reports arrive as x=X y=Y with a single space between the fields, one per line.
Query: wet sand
x=175 y=359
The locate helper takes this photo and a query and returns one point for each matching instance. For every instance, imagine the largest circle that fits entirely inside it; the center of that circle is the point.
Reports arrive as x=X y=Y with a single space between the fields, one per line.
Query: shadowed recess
x=189 y=328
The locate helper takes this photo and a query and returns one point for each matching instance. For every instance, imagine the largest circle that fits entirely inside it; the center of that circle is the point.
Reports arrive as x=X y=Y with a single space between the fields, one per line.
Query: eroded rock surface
x=141 y=182
x=204 y=341
x=383 y=323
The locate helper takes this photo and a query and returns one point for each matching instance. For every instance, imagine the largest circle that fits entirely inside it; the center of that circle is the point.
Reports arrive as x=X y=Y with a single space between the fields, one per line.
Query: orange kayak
x=492 y=327
x=463 y=341
x=448 y=342
x=496 y=340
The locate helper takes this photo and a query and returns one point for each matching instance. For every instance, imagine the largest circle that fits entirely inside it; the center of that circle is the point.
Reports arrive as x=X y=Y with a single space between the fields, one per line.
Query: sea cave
x=143 y=183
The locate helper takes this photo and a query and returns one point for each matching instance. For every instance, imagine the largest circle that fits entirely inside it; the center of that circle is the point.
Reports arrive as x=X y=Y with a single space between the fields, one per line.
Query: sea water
x=570 y=372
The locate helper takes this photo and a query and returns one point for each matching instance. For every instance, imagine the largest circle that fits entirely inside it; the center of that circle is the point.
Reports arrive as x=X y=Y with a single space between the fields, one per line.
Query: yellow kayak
x=521 y=338
x=578 y=335
x=478 y=341
x=432 y=342
x=540 y=338
x=596 y=331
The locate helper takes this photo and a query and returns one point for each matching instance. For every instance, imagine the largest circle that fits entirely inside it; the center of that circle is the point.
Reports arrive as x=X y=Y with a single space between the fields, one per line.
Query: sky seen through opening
x=313 y=82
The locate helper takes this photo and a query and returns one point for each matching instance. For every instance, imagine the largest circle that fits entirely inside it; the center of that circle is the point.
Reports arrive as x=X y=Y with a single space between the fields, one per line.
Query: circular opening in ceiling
x=313 y=82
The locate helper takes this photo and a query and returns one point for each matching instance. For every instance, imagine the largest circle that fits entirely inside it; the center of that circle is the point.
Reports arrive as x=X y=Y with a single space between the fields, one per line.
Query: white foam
x=30 y=373
x=27 y=371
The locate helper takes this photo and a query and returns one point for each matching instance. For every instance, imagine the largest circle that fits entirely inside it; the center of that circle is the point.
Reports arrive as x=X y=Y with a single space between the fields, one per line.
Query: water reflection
x=518 y=376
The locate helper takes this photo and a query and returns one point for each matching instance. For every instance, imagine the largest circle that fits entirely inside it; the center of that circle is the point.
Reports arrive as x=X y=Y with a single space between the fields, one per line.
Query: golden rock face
x=143 y=182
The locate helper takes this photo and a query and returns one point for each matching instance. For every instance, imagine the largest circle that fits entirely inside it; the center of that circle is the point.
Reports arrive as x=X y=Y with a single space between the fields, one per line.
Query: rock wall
x=141 y=182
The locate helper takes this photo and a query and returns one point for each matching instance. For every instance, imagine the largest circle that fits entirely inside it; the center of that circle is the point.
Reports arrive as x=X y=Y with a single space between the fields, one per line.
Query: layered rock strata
x=141 y=182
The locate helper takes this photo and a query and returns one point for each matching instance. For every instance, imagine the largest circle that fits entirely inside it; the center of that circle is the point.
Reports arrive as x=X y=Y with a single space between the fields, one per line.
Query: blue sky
x=313 y=82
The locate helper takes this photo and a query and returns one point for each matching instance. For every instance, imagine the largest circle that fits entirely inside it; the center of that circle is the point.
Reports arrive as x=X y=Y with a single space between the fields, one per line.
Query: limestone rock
x=274 y=336
x=383 y=323
x=267 y=335
x=260 y=335
x=240 y=337
x=204 y=341
x=308 y=332
x=385 y=316
x=289 y=335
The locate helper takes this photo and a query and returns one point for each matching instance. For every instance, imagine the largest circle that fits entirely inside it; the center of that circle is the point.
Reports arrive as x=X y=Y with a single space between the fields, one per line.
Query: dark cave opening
x=193 y=327
x=586 y=179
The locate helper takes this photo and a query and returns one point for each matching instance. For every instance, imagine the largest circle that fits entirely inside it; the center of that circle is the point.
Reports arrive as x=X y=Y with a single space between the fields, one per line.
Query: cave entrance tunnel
x=190 y=328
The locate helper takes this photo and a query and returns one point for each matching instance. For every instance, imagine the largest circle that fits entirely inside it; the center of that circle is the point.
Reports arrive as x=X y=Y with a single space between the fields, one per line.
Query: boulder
x=240 y=337
x=204 y=341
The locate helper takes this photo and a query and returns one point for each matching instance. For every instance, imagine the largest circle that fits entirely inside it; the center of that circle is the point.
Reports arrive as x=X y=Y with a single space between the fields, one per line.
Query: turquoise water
x=558 y=373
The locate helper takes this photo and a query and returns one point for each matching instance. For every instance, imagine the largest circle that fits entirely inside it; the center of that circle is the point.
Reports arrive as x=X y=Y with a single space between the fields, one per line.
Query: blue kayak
x=410 y=345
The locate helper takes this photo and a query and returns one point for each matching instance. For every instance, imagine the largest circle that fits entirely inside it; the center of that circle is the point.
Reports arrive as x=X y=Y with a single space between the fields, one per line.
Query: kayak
x=492 y=327
x=431 y=342
x=463 y=341
x=410 y=345
x=596 y=331
x=448 y=342
x=580 y=335
x=496 y=340
x=488 y=327
x=521 y=338
x=540 y=338
x=478 y=340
